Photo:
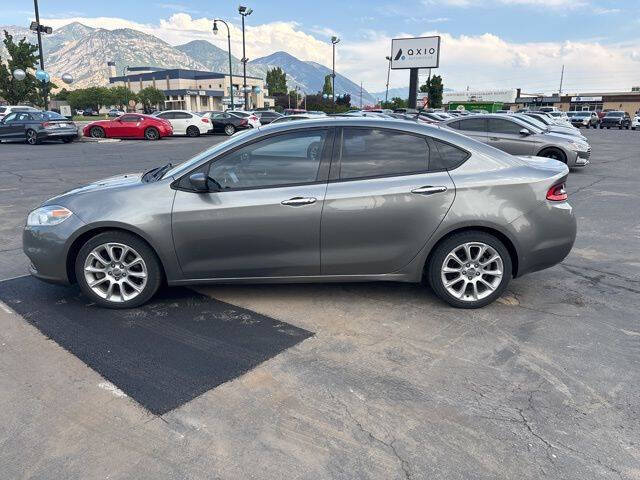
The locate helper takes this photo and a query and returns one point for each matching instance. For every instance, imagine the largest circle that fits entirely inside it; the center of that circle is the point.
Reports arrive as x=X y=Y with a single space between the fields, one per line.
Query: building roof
x=172 y=73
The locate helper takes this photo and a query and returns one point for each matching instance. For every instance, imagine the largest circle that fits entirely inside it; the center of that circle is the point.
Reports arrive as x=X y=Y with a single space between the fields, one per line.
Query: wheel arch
x=553 y=147
x=502 y=236
x=82 y=238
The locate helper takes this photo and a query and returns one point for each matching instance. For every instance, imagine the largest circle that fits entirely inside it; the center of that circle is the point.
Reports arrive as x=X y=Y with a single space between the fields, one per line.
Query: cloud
x=479 y=61
x=535 y=3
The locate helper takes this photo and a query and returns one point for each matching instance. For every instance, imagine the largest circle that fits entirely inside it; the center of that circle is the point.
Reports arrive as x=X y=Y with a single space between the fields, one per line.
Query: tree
x=276 y=81
x=396 y=102
x=433 y=86
x=23 y=56
x=62 y=95
x=327 y=88
x=120 y=96
x=150 y=97
x=93 y=97
x=43 y=90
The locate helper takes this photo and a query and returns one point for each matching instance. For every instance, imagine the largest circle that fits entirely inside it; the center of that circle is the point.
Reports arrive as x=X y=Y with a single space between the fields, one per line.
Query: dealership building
x=193 y=90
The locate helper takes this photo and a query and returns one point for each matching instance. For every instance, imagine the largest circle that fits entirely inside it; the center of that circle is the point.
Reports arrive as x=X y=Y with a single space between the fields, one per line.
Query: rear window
x=614 y=114
x=371 y=152
x=47 y=116
x=446 y=157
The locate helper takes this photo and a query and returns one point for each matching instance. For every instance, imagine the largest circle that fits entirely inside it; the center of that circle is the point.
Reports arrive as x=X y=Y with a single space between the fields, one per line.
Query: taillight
x=243 y=121
x=557 y=193
x=253 y=117
x=205 y=120
x=47 y=124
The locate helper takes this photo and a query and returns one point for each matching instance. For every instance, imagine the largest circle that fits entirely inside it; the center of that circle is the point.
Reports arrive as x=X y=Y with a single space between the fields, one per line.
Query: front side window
x=166 y=115
x=499 y=125
x=10 y=118
x=280 y=160
x=370 y=152
x=130 y=118
x=182 y=115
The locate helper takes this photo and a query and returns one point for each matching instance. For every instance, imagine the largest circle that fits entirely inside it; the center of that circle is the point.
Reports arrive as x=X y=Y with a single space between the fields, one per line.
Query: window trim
x=323 y=165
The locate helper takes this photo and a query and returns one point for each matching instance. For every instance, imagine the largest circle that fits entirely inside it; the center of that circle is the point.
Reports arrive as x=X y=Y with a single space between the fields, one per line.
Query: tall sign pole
x=39 y=32
x=413 y=54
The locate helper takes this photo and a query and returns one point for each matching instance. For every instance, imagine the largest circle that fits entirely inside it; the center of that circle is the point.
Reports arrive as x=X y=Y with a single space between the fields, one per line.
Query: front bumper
x=48 y=246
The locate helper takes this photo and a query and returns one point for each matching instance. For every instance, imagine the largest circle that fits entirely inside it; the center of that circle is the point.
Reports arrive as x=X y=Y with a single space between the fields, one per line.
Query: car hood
x=117 y=181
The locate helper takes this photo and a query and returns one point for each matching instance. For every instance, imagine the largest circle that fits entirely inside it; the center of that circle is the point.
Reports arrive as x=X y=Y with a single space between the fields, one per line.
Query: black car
x=90 y=112
x=267 y=116
x=616 y=119
x=227 y=123
x=35 y=127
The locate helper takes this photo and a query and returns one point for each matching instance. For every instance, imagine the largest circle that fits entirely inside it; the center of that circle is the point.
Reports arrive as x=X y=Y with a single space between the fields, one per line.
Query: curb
x=98 y=140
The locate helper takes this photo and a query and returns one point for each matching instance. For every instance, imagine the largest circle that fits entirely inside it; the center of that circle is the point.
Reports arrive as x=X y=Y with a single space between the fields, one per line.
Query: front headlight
x=579 y=146
x=49 y=215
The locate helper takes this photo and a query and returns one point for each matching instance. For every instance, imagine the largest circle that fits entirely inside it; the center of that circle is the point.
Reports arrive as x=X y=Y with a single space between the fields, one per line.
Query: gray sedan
x=324 y=200
x=521 y=136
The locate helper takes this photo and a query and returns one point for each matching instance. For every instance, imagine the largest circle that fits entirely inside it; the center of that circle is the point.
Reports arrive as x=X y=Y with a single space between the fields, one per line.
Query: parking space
x=389 y=382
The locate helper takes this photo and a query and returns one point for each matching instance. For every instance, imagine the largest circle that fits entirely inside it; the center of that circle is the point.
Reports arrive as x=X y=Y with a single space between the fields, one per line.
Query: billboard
x=417 y=52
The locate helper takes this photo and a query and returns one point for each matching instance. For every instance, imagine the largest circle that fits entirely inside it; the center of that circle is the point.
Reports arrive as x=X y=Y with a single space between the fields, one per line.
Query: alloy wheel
x=229 y=130
x=115 y=272
x=472 y=271
x=32 y=137
x=97 y=132
x=151 y=134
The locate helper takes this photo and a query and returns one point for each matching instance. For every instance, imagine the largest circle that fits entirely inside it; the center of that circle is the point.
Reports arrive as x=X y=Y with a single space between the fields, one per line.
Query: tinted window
x=11 y=117
x=47 y=116
x=23 y=117
x=181 y=115
x=165 y=115
x=370 y=152
x=614 y=114
x=473 y=125
x=130 y=118
x=286 y=159
x=500 y=125
x=447 y=156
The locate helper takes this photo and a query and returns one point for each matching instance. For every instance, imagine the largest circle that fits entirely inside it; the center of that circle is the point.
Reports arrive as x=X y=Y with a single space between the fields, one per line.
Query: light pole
x=39 y=30
x=244 y=11
x=215 y=32
x=386 y=95
x=334 y=41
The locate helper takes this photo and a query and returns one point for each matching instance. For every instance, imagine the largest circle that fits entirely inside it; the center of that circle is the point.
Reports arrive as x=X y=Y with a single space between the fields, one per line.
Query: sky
x=486 y=44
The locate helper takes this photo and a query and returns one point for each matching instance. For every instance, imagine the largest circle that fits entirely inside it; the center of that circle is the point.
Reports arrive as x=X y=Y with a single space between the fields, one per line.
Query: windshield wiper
x=155 y=173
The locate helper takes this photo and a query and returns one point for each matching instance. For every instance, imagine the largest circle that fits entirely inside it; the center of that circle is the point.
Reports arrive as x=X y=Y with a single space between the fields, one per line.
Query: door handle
x=298 y=201
x=429 y=190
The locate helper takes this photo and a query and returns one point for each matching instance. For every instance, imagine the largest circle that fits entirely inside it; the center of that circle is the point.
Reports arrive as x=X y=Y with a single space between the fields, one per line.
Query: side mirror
x=525 y=132
x=199 y=181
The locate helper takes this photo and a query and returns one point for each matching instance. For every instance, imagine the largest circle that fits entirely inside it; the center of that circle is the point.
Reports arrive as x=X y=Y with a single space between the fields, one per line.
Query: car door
x=130 y=126
x=218 y=121
x=382 y=202
x=264 y=220
x=505 y=135
x=181 y=121
x=475 y=128
x=11 y=129
x=170 y=117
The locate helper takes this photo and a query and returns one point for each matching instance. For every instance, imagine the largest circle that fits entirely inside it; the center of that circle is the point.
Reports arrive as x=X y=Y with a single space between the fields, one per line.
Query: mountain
x=216 y=59
x=309 y=76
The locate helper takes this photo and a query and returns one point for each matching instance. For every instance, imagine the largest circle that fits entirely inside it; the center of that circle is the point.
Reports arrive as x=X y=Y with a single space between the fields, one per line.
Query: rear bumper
x=545 y=235
x=57 y=133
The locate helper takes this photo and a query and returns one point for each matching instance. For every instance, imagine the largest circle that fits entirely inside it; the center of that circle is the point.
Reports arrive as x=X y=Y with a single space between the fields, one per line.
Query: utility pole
x=561 y=80
x=386 y=94
x=244 y=11
x=360 y=93
x=39 y=32
x=215 y=32
x=334 y=41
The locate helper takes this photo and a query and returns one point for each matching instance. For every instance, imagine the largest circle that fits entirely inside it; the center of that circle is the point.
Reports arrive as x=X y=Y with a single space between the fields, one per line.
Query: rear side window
x=472 y=125
x=499 y=125
x=181 y=115
x=130 y=118
x=446 y=156
x=166 y=115
x=369 y=152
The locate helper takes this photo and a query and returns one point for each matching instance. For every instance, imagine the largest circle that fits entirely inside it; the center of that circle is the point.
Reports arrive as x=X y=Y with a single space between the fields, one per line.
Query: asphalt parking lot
x=380 y=381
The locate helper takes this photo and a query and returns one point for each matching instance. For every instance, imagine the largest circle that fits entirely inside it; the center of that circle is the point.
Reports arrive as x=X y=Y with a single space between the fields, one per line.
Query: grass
x=82 y=118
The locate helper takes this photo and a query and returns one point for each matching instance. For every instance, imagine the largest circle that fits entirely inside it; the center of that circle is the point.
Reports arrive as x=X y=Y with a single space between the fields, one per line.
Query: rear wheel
x=97 y=132
x=118 y=270
x=229 y=129
x=193 y=131
x=554 y=153
x=151 y=133
x=469 y=269
x=31 y=137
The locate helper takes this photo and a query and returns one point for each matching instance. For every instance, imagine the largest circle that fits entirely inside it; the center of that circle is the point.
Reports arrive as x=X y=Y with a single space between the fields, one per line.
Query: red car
x=130 y=125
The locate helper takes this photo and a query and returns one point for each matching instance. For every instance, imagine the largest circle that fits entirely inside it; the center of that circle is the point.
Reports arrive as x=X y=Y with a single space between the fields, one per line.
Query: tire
x=193 y=131
x=152 y=134
x=31 y=137
x=130 y=287
x=441 y=257
x=554 y=153
x=97 y=132
x=229 y=129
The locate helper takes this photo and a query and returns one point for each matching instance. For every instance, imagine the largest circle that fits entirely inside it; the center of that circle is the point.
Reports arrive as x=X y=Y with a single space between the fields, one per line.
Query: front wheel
x=151 y=134
x=229 y=129
x=469 y=269
x=97 y=132
x=31 y=137
x=117 y=270
x=554 y=153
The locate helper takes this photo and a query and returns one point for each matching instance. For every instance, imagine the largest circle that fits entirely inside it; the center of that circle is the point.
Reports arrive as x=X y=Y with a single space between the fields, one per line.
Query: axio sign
x=418 y=52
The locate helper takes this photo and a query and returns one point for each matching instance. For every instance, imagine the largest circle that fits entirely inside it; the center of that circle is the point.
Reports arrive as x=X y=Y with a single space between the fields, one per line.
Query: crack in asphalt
x=598 y=279
x=404 y=464
x=584 y=187
x=617 y=275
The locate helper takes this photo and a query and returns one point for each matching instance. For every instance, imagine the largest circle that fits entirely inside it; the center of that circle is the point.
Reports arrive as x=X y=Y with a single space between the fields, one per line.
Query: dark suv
x=616 y=119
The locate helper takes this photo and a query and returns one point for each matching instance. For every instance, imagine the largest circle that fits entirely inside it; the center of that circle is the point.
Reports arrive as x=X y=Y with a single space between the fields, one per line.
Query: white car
x=7 y=109
x=185 y=122
x=635 y=123
x=252 y=118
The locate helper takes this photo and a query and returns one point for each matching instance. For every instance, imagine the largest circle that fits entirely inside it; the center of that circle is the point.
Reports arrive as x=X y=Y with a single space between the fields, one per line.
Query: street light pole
x=386 y=95
x=244 y=11
x=44 y=84
x=215 y=32
x=334 y=41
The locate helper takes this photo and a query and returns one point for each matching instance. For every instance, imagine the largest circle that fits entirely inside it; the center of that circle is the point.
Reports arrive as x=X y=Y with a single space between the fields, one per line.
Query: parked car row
x=35 y=126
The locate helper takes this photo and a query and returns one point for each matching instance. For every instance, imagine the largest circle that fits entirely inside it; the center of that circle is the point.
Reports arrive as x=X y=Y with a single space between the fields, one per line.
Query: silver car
x=522 y=136
x=324 y=200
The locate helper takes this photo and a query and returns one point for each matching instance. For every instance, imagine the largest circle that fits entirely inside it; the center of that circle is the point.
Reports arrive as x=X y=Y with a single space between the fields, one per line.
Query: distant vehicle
x=294 y=111
x=79 y=111
x=90 y=112
x=405 y=110
x=616 y=119
x=228 y=123
x=290 y=118
x=130 y=125
x=514 y=135
x=317 y=113
x=7 y=109
x=548 y=109
x=502 y=111
x=185 y=122
x=114 y=112
x=252 y=118
x=34 y=127
x=635 y=123
x=546 y=123
x=585 y=119
x=267 y=116
x=558 y=115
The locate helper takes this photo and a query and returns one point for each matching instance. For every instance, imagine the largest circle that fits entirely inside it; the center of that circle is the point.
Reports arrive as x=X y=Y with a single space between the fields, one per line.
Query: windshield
x=614 y=114
x=210 y=152
x=583 y=114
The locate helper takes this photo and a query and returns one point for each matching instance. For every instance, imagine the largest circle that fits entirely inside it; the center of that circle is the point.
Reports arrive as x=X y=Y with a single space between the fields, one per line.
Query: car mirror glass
x=202 y=182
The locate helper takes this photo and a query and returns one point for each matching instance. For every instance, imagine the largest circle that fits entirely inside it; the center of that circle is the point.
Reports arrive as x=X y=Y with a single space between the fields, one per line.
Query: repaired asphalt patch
x=162 y=354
